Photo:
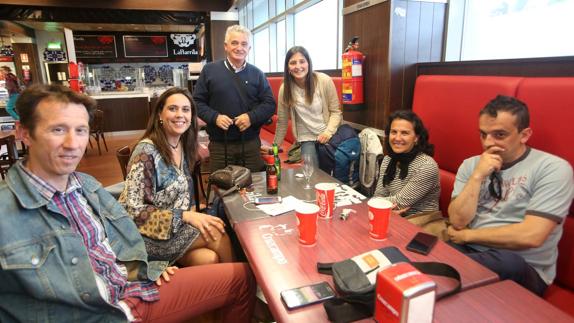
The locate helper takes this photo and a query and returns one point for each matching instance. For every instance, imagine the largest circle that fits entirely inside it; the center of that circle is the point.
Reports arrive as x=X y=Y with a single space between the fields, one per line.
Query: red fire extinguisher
x=353 y=76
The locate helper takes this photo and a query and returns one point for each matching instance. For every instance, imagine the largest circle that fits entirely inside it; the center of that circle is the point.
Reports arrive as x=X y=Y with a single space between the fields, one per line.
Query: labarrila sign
x=183 y=45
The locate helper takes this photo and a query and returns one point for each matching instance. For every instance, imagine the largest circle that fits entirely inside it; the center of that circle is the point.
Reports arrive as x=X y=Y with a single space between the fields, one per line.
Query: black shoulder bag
x=358 y=293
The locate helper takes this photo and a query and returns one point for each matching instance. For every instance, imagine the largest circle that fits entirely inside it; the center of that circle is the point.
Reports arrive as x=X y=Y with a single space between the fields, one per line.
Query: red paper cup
x=307 y=223
x=379 y=213
x=325 y=193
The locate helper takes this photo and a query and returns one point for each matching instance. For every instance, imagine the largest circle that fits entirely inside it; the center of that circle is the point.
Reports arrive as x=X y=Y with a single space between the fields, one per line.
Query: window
x=260 y=12
x=261 y=49
x=321 y=44
x=279 y=6
x=278 y=25
x=502 y=29
x=281 y=50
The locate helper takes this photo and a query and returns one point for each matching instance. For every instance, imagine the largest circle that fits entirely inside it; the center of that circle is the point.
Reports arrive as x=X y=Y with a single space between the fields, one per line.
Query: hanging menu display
x=145 y=46
x=95 y=46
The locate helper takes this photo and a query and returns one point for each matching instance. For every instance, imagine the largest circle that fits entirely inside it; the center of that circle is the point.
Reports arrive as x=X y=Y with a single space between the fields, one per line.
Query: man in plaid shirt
x=69 y=251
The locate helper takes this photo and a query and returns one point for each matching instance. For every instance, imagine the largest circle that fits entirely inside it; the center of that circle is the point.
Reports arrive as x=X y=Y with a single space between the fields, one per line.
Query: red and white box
x=404 y=295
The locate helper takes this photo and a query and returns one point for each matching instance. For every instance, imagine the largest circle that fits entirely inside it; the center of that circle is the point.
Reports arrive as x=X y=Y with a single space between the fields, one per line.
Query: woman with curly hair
x=409 y=176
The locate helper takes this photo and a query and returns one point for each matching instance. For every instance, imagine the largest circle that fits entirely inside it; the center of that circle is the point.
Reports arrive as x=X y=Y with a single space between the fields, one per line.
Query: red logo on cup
x=325 y=195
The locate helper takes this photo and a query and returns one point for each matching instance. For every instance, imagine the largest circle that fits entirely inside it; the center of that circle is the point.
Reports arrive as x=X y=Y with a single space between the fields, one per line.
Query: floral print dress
x=155 y=196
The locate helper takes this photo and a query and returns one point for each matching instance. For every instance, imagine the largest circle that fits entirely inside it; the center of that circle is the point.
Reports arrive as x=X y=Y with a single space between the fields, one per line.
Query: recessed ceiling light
x=100 y=27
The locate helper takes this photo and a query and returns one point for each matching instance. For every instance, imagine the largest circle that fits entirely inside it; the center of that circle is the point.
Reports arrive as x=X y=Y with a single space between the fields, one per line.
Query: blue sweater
x=216 y=93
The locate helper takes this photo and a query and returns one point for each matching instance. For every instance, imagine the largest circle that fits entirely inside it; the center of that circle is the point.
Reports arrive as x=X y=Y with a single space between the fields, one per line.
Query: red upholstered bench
x=449 y=106
x=268 y=131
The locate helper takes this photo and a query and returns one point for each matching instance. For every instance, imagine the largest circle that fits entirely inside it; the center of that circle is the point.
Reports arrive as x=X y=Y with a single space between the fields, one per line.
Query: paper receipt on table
x=287 y=204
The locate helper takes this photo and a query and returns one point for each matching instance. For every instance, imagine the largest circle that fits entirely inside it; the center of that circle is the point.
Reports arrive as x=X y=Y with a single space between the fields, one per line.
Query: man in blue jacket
x=70 y=253
x=234 y=98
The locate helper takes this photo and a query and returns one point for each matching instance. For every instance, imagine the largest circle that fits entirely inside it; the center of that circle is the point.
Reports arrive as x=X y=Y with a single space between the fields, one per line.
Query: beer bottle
x=271 y=175
x=277 y=161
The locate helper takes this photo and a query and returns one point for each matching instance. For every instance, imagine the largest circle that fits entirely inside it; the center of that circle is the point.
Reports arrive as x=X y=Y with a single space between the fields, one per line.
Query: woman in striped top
x=409 y=175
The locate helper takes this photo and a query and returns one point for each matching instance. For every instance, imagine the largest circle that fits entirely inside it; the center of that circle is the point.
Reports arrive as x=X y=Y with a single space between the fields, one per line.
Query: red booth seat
x=449 y=106
x=268 y=131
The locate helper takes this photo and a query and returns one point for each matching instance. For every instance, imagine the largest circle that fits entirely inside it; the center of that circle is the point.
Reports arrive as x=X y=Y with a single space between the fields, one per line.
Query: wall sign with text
x=183 y=45
x=145 y=46
x=95 y=46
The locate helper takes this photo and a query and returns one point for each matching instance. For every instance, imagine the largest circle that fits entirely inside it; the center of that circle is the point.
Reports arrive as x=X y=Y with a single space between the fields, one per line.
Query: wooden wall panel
x=395 y=35
x=33 y=61
x=218 y=28
x=428 y=19
x=372 y=26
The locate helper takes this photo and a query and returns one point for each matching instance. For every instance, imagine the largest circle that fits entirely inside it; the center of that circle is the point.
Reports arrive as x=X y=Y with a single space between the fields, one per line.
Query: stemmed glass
x=308 y=168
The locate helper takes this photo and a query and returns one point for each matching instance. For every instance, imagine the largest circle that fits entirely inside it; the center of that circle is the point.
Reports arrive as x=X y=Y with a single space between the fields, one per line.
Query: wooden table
x=504 y=301
x=288 y=185
x=280 y=262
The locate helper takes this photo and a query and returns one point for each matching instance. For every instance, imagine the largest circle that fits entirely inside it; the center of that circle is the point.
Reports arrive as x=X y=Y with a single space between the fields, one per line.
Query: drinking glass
x=308 y=169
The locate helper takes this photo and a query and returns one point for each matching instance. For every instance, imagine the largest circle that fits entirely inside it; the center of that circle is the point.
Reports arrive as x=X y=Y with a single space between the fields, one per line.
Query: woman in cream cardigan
x=310 y=100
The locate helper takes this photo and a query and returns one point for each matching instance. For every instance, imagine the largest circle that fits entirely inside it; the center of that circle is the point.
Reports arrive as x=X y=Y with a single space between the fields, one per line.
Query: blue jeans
x=508 y=265
x=308 y=148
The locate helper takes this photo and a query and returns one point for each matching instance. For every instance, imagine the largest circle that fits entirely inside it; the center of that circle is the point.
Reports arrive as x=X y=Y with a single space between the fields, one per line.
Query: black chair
x=10 y=157
x=123 y=154
x=97 y=130
x=197 y=184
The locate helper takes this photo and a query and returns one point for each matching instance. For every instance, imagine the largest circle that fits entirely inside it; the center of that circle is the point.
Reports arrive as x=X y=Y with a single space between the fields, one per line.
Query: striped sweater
x=420 y=190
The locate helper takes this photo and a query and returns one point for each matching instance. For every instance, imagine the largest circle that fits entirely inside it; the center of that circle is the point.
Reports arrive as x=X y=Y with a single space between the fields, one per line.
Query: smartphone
x=267 y=199
x=307 y=295
x=422 y=243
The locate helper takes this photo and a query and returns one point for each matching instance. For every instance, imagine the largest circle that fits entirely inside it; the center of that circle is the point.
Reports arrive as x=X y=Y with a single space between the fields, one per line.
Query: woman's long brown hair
x=156 y=134
x=289 y=81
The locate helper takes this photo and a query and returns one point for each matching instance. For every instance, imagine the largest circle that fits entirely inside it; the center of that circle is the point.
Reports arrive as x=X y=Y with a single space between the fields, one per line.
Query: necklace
x=173 y=146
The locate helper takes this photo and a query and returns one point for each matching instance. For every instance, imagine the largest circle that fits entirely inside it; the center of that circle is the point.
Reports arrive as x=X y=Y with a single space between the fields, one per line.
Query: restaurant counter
x=124 y=111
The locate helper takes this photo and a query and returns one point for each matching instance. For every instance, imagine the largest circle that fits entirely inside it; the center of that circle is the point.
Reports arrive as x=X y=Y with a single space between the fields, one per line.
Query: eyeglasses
x=495 y=185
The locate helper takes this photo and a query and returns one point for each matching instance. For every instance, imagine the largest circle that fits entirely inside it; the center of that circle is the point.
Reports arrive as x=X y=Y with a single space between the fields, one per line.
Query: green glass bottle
x=277 y=161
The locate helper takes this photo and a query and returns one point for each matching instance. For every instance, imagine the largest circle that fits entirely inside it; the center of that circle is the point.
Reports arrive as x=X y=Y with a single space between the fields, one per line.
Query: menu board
x=145 y=46
x=95 y=46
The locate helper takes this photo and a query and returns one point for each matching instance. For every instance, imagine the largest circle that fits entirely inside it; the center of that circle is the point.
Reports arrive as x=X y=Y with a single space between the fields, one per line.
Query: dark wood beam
x=169 y=5
x=8 y=28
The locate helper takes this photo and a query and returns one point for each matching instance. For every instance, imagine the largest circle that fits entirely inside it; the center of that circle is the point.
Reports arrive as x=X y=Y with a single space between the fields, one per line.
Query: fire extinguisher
x=353 y=76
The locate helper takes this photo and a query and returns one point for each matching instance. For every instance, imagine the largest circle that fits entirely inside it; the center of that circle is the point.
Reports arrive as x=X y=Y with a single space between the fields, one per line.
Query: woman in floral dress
x=159 y=188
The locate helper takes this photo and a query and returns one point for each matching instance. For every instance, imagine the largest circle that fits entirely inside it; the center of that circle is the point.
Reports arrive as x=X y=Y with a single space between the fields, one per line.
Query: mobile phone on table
x=422 y=243
x=307 y=295
x=267 y=199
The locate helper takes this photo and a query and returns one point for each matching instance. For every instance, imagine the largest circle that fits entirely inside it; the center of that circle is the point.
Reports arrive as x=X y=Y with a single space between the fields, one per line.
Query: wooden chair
x=123 y=154
x=10 y=157
x=97 y=129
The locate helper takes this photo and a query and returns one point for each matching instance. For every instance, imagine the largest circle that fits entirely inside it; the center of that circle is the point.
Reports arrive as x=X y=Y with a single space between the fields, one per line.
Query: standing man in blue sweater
x=234 y=98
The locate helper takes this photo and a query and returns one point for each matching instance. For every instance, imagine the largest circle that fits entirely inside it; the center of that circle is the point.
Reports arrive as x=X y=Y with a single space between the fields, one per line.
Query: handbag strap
x=350 y=308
